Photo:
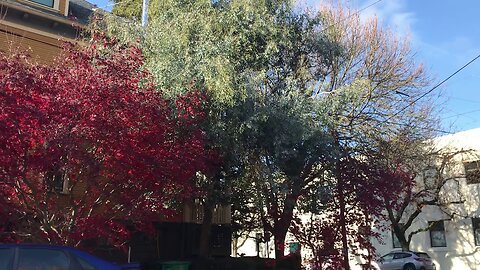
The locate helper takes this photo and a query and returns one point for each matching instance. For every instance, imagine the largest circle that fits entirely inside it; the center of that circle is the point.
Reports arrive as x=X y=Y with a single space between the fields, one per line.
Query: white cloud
x=392 y=14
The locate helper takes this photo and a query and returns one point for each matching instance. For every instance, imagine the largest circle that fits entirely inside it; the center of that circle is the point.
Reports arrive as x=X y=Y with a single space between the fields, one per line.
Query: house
x=41 y=25
x=453 y=242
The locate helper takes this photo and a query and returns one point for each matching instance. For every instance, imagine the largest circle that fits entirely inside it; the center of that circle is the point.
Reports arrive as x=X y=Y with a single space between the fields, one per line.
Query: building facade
x=41 y=26
x=453 y=242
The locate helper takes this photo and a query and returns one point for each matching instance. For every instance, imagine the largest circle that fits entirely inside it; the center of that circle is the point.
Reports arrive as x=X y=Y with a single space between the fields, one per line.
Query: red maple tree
x=361 y=188
x=89 y=143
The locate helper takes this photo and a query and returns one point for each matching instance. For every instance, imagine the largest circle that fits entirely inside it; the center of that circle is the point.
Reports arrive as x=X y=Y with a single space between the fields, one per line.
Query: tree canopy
x=92 y=147
x=297 y=102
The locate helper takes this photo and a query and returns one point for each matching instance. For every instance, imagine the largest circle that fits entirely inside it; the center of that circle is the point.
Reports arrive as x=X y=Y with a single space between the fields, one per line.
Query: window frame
x=38 y=2
x=438 y=227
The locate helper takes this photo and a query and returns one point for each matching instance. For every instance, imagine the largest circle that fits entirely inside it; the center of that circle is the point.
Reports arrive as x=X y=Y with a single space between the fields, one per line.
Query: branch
x=431 y=225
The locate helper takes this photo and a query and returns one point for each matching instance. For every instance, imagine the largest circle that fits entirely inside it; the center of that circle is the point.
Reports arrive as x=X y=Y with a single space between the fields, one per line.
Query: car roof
x=98 y=261
x=407 y=251
x=34 y=245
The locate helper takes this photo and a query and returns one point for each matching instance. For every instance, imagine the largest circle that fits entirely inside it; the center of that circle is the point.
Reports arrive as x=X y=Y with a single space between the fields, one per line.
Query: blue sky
x=445 y=35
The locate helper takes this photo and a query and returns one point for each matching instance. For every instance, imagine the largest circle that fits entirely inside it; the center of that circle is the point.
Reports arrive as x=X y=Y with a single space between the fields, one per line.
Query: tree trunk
x=206 y=231
x=234 y=247
x=343 y=225
x=279 y=240
x=281 y=227
x=399 y=231
x=405 y=245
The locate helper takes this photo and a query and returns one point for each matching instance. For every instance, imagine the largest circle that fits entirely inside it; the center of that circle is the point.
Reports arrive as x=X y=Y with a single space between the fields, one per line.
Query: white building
x=454 y=243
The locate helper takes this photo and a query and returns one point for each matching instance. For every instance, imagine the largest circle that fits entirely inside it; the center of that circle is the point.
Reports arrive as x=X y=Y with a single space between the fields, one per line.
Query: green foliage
x=287 y=128
x=289 y=94
x=225 y=47
x=209 y=45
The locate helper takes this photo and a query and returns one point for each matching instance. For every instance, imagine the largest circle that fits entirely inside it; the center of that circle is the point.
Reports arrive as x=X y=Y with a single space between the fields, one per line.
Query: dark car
x=405 y=260
x=49 y=257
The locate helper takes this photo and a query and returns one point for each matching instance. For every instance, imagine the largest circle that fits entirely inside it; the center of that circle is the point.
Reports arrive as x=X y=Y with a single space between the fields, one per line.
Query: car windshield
x=422 y=255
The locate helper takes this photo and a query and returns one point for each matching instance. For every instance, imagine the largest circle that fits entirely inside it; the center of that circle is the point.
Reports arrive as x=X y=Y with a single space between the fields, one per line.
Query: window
x=422 y=255
x=47 y=259
x=401 y=255
x=387 y=257
x=476 y=230
x=85 y=265
x=48 y=3
x=472 y=172
x=437 y=234
x=395 y=241
x=57 y=181
x=6 y=255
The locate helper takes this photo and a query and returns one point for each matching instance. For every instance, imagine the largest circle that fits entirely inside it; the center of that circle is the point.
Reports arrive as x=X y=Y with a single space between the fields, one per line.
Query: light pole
x=145 y=13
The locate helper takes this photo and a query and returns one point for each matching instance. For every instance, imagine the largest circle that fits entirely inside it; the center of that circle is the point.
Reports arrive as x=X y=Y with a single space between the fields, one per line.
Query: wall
x=460 y=252
x=25 y=28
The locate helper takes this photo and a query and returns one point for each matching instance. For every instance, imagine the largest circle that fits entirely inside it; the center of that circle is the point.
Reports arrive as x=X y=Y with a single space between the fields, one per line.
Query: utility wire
x=419 y=127
x=460 y=114
x=372 y=4
x=433 y=88
x=351 y=15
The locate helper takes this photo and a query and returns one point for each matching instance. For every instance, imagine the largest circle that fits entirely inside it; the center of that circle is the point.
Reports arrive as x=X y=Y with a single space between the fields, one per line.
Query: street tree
x=371 y=91
x=289 y=152
x=283 y=86
x=430 y=181
x=328 y=221
x=239 y=52
x=92 y=147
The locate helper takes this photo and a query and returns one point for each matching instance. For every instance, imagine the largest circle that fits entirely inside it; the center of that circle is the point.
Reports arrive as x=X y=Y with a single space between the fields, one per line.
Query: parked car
x=49 y=257
x=404 y=260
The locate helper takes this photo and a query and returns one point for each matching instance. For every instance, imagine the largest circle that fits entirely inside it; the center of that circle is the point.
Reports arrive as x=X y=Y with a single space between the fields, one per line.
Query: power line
x=372 y=4
x=433 y=88
x=351 y=15
x=464 y=99
x=460 y=114
x=420 y=127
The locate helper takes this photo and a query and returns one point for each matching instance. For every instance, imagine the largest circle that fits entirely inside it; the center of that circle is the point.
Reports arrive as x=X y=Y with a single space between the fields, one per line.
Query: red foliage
x=365 y=188
x=96 y=119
